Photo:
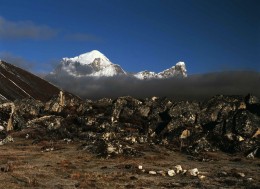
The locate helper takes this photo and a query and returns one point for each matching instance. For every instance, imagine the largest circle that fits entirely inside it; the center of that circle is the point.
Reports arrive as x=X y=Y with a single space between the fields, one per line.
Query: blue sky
x=208 y=35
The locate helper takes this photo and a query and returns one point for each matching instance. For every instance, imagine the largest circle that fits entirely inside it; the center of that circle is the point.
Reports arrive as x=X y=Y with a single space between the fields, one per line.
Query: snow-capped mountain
x=96 y=64
x=179 y=70
x=93 y=63
x=145 y=75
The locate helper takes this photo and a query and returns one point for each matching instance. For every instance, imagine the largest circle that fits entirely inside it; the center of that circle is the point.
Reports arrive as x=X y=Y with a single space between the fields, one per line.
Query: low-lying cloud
x=24 y=30
x=195 y=87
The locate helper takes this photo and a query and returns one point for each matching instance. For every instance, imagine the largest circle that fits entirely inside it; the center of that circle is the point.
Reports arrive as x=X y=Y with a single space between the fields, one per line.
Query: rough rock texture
x=119 y=127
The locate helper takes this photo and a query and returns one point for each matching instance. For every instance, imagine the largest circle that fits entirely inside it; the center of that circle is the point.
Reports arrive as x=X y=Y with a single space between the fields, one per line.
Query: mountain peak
x=89 y=57
x=92 y=63
x=179 y=70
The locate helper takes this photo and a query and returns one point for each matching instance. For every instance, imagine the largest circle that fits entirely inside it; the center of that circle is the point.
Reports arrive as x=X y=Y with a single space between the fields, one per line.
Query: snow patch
x=88 y=58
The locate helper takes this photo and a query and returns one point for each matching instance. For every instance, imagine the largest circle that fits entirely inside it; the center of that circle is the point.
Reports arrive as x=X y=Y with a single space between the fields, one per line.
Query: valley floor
x=62 y=165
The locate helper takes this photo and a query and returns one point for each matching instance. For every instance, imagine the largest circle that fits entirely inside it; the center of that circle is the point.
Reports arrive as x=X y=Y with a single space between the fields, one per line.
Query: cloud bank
x=195 y=87
x=24 y=30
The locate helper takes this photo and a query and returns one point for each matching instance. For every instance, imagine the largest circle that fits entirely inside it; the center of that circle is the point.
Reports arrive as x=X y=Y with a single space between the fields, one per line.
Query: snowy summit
x=96 y=64
x=93 y=63
x=89 y=57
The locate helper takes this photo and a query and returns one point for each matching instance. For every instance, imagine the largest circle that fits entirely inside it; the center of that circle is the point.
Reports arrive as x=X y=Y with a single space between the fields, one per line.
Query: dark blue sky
x=208 y=35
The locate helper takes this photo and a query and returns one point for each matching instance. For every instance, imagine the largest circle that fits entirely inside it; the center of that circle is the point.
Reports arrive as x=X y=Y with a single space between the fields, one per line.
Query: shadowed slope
x=17 y=83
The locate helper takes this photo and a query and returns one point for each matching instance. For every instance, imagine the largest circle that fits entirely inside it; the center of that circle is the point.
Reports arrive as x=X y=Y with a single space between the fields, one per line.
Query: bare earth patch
x=65 y=165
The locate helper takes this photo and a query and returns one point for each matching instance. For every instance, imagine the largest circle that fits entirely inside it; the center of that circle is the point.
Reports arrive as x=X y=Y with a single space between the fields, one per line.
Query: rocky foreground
x=126 y=142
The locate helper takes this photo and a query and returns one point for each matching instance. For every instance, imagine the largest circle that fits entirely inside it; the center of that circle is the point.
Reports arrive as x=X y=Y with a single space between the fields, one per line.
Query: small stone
x=251 y=155
x=161 y=173
x=178 y=168
x=241 y=174
x=154 y=98
x=184 y=172
x=201 y=177
x=194 y=172
x=250 y=179
x=240 y=138
x=67 y=140
x=185 y=134
x=242 y=106
x=140 y=167
x=27 y=136
x=171 y=173
x=152 y=172
x=223 y=174
x=110 y=148
x=256 y=134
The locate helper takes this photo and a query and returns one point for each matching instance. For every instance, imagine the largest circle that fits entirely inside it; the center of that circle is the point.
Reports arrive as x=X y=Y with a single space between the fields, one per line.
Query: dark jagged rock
x=126 y=125
x=187 y=112
x=29 y=108
x=218 y=109
x=253 y=104
x=246 y=123
x=250 y=99
x=182 y=116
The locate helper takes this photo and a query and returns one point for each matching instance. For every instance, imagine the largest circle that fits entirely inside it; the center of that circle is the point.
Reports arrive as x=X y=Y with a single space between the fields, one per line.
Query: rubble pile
x=126 y=126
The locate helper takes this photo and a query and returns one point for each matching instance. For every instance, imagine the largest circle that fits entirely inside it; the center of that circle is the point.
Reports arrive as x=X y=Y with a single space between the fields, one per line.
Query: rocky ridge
x=125 y=125
x=179 y=70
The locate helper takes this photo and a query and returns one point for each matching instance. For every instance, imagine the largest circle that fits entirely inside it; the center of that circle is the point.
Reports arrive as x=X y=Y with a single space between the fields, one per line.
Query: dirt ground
x=63 y=165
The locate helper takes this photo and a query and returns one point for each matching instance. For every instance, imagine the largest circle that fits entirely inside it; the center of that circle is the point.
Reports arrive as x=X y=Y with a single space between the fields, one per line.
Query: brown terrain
x=27 y=165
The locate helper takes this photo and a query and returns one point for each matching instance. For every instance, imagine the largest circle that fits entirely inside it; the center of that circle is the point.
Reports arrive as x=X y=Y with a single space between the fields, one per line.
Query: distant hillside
x=17 y=83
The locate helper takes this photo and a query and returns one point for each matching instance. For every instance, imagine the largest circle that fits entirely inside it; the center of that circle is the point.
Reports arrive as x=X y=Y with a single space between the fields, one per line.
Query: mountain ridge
x=96 y=64
x=17 y=83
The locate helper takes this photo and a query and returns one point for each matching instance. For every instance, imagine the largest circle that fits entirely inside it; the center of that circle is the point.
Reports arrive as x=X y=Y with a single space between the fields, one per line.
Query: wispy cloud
x=82 y=37
x=12 y=30
x=17 y=30
x=17 y=61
